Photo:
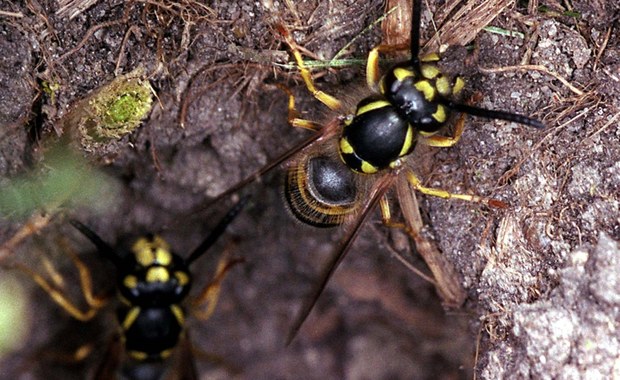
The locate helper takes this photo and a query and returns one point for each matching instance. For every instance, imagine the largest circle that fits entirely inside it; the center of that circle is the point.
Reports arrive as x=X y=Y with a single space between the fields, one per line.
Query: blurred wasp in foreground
x=347 y=167
x=152 y=284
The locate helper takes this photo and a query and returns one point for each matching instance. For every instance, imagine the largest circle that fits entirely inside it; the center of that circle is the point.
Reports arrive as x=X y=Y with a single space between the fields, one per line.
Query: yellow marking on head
x=137 y=355
x=430 y=71
x=443 y=86
x=147 y=251
x=372 y=106
x=440 y=114
x=178 y=314
x=345 y=146
x=130 y=281
x=458 y=85
x=130 y=318
x=401 y=73
x=163 y=256
x=427 y=89
x=182 y=277
x=142 y=252
x=157 y=274
x=432 y=57
x=407 y=143
x=368 y=168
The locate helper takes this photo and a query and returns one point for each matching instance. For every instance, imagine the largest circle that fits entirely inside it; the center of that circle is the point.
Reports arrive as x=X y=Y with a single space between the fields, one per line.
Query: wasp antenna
x=103 y=247
x=415 y=33
x=218 y=230
x=333 y=263
x=494 y=114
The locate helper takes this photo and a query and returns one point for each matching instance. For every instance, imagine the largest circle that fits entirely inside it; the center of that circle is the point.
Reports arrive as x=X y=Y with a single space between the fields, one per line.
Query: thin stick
x=535 y=68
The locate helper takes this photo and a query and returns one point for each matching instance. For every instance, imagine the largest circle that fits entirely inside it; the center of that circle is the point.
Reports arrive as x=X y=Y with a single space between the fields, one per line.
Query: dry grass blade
x=466 y=23
x=11 y=14
x=540 y=68
x=396 y=26
x=73 y=7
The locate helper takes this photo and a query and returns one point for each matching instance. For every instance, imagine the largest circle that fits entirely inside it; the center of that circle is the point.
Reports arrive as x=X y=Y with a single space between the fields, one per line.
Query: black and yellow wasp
x=347 y=167
x=152 y=284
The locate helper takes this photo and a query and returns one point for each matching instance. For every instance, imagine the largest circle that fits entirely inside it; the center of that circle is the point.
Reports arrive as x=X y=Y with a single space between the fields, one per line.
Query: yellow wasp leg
x=85 y=280
x=58 y=296
x=415 y=182
x=445 y=276
x=205 y=303
x=386 y=216
x=293 y=113
x=448 y=141
x=323 y=97
x=372 y=64
x=445 y=141
x=53 y=289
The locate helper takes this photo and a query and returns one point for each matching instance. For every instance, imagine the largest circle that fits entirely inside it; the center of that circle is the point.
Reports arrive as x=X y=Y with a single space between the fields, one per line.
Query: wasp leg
x=372 y=64
x=448 y=141
x=386 y=216
x=204 y=304
x=32 y=226
x=445 y=141
x=54 y=287
x=446 y=278
x=76 y=356
x=293 y=114
x=329 y=100
x=415 y=182
x=444 y=275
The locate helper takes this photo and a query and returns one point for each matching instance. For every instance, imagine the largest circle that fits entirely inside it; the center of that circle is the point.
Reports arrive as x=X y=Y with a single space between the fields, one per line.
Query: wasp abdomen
x=320 y=191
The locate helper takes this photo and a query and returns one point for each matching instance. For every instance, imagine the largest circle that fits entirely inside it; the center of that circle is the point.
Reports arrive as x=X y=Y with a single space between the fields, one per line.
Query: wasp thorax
x=376 y=137
x=320 y=191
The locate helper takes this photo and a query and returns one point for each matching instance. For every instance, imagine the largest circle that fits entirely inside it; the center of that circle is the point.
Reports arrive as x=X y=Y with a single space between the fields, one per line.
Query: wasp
x=347 y=167
x=152 y=284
